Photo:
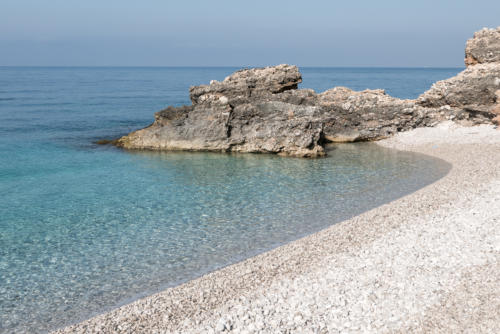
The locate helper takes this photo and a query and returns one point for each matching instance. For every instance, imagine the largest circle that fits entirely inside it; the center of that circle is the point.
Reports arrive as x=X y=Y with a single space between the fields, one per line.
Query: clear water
x=84 y=228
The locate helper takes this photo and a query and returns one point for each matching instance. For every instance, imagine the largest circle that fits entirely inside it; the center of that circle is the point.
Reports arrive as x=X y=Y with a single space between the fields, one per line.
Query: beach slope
x=427 y=262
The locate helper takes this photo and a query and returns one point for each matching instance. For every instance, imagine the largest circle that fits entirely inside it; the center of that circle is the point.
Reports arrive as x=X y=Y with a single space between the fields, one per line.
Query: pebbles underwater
x=427 y=262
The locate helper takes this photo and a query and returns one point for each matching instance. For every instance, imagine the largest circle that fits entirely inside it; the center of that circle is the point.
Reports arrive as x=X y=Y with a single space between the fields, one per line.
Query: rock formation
x=250 y=111
x=262 y=110
x=483 y=48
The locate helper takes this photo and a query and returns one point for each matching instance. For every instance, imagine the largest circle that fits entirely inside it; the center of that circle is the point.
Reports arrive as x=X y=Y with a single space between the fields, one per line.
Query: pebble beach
x=427 y=262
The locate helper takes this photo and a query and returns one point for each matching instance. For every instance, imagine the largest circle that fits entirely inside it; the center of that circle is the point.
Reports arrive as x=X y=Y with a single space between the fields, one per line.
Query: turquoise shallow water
x=85 y=228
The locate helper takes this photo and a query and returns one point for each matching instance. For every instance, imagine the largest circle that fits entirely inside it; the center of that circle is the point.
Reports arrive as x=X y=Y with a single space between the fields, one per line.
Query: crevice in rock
x=474 y=113
x=229 y=126
x=293 y=86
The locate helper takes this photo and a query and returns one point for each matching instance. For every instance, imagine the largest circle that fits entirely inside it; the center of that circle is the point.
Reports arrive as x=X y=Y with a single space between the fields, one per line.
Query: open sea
x=86 y=228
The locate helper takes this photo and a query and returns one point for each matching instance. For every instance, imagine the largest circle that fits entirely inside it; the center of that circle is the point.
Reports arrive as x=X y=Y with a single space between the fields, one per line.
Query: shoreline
x=294 y=287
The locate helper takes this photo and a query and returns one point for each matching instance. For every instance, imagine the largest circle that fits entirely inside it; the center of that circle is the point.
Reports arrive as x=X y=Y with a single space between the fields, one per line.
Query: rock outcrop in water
x=262 y=110
x=256 y=110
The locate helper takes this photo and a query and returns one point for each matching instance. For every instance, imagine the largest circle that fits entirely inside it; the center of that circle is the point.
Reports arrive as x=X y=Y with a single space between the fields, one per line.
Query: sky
x=382 y=33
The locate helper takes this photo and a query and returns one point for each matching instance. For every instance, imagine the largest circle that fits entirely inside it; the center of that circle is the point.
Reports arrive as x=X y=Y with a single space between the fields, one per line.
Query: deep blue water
x=84 y=228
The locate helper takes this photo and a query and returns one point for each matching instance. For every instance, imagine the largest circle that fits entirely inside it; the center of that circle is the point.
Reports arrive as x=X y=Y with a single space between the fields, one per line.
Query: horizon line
x=216 y=66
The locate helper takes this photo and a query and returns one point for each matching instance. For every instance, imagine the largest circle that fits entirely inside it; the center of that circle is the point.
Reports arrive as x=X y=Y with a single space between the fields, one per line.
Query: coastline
x=419 y=263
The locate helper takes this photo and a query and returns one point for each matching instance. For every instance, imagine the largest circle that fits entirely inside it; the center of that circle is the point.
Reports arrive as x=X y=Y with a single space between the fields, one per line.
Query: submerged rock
x=262 y=110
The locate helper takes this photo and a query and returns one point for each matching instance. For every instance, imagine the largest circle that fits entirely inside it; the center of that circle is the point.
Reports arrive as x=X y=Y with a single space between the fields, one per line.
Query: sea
x=86 y=228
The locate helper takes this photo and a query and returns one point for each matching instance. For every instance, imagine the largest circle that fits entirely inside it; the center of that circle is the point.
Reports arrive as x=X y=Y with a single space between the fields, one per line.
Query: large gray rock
x=484 y=47
x=473 y=90
x=367 y=115
x=262 y=110
x=243 y=113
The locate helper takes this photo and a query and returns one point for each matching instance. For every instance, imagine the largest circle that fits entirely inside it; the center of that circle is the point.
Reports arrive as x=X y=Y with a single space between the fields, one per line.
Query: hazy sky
x=240 y=33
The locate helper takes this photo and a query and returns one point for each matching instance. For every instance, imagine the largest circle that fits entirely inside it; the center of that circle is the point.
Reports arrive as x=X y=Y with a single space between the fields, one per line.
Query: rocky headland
x=262 y=109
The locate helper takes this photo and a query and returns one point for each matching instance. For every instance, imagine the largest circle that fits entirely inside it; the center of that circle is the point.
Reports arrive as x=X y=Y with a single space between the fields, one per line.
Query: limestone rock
x=496 y=108
x=192 y=128
x=262 y=110
x=243 y=113
x=249 y=83
x=484 y=47
x=367 y=115
x=472 y=90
